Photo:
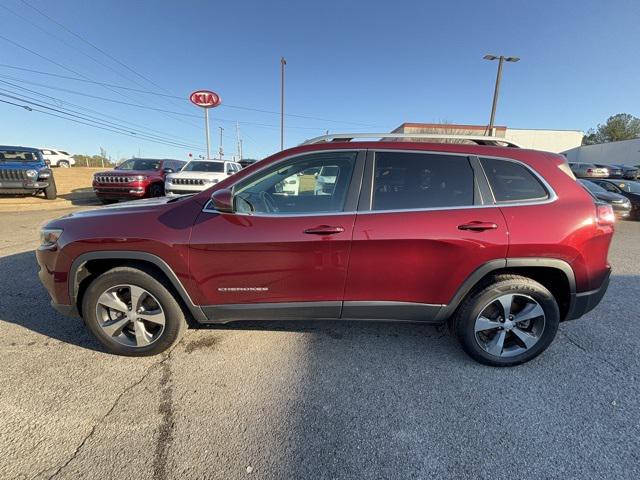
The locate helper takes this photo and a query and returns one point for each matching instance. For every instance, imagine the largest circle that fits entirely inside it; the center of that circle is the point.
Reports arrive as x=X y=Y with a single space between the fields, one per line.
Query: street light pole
x=501 y=59
x=283 y=62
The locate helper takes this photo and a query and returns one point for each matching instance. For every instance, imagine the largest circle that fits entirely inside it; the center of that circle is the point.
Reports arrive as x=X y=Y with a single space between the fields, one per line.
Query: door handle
x=324 y=230
x=477 y=226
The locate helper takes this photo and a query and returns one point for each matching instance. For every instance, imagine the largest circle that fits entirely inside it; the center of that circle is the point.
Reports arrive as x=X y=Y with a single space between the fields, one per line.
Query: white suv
x=198 y=175
x=57 y=158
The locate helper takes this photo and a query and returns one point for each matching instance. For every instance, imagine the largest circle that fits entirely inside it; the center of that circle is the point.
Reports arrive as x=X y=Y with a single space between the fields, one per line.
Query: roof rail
x=478 y=139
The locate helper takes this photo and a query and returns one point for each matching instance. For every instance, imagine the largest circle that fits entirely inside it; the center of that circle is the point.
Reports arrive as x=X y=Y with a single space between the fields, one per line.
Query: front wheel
x=156 y=190
x=132 y=312
x=51 y=193
x=508 y=321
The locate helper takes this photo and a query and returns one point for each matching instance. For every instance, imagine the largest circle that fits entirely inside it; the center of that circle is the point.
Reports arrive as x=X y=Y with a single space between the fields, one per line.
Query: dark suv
x=134 y=178
x=24 y=171
x=502 y=243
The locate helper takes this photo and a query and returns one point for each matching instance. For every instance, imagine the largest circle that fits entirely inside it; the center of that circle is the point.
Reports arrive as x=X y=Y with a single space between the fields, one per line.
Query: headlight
x=212 y=180
x=49 y=236
x=139 y=178
x=32 y=173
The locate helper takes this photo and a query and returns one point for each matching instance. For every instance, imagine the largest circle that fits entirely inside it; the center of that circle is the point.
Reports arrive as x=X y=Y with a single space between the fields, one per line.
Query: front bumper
x=22 y=186
x=119 y=193
x=583 y=302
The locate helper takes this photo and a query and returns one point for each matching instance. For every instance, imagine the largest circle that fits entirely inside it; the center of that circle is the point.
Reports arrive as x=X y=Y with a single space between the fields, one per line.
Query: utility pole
x=501 y=59
x=221 y=151
x=206 y=129
x=283 y=62
x=238 y=140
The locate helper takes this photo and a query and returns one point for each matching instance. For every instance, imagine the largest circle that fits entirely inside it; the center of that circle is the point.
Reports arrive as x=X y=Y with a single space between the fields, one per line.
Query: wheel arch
x=554 y=274
x=89 y=265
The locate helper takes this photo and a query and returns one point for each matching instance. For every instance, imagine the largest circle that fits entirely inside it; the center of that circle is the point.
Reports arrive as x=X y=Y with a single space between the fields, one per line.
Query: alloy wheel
x=130 y=315
x=509 y=325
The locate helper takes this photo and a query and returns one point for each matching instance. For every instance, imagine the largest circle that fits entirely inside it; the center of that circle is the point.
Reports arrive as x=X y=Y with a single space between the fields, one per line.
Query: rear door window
x=405 y=181
x=512 y=182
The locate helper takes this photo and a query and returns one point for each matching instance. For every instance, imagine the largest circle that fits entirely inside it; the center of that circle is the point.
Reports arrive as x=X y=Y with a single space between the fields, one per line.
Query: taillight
x=589 y=170
x=605 y=215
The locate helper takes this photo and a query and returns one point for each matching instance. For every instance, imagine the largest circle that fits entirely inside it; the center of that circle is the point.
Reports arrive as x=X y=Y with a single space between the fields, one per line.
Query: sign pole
x=206 y=99
x=206 y=129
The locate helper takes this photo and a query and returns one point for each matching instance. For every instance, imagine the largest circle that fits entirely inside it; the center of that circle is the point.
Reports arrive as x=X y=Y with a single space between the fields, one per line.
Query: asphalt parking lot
x=291 y=400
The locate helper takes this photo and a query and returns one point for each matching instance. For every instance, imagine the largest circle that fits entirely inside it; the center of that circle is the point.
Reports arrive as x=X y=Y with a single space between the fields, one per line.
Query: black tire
x=63 y=164
x=463 y=321
x=156 y=190
x=107 y=201
x=51 y=193
x=174 y=318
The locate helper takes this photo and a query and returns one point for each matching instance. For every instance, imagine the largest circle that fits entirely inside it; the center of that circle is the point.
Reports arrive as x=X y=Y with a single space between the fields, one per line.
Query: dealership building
x=556 y=141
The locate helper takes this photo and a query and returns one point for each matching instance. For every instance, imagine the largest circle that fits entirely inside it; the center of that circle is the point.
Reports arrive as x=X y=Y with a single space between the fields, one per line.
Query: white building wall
x=555 y=141
x=626 y=152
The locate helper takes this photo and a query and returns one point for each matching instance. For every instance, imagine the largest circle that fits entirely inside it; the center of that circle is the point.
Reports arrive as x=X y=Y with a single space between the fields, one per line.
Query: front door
x=423 y=229
x=284 y=251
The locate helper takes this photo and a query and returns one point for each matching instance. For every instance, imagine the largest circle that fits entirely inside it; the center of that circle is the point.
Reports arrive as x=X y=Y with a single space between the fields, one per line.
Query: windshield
x=630 y=187
x=592 y=187
x=198 y=166
x=18 y=156
x=140 y=164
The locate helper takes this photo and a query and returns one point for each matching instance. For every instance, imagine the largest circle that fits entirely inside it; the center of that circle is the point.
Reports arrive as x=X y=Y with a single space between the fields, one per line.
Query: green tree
x=622 y=126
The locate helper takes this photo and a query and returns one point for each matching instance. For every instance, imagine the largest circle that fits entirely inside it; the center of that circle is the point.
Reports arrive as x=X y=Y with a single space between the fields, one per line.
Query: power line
x=55 y=99
x=138 y=90
x=87 y=121
x=136 y=105
x=90 y=118
x=73 y=71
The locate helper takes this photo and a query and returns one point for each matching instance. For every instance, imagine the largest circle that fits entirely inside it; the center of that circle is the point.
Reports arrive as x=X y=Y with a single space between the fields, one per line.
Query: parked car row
x=622 y=195
x=151 y=177
x=597 y=170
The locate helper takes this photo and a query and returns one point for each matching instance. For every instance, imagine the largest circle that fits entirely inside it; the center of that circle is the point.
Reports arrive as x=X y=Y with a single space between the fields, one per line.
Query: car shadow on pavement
x=26 y=303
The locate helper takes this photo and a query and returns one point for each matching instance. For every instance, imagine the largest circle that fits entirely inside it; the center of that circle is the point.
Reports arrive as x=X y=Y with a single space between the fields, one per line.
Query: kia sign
x=205 y=98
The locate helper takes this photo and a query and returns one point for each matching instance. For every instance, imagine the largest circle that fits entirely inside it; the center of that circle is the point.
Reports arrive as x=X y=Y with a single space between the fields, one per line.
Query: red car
x=134 y=178
x=502 y=243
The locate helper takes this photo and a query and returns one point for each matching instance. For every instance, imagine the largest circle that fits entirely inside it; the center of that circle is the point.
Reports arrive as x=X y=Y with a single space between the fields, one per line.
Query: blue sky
x=364 y=65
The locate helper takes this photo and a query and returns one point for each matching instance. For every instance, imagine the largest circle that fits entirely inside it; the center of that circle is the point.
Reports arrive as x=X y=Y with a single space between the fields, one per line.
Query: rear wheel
x=63 y=164
x=156 y=190
x=51 y=193
x=507 y=321
x=133 y=313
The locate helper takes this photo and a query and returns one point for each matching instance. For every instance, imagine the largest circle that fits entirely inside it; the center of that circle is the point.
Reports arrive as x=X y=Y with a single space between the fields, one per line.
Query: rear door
x=424 y=224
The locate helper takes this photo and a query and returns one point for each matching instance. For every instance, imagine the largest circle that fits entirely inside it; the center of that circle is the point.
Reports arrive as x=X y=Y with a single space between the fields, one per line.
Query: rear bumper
x=583 y=302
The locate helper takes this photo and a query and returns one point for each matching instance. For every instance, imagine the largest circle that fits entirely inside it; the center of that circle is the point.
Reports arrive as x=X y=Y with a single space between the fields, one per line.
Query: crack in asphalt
x=165 y=358
x=616 y=368
x=165 y=430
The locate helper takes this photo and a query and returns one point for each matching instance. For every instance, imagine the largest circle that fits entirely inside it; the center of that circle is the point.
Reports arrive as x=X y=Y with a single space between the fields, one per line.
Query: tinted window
x=204 y=166
x=592 y=187
x=511 y=181
x=629 y=187
x=418 y=180
x=140 y=164
x=294 y=186
x=18 y=156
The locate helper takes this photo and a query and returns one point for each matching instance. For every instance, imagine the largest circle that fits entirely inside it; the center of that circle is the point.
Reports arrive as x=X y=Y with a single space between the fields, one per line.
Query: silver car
x=588 y=170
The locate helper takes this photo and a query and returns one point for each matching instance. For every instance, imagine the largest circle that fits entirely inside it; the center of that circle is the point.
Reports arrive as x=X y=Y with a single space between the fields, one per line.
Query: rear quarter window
x=512 y=182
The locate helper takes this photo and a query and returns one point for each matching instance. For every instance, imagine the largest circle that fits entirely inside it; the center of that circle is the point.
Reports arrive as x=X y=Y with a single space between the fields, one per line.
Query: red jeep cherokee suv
x=134 y=178
x=501 y=242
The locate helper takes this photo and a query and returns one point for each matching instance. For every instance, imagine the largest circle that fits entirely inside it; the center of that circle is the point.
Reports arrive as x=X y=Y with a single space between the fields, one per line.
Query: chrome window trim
x=206 y=208
x=522 y=203
x=551 y=194
x=550 y=199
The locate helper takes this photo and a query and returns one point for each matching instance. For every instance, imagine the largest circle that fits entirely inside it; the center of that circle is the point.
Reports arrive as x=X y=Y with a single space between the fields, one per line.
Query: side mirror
x=222 y=200
x=167 y=170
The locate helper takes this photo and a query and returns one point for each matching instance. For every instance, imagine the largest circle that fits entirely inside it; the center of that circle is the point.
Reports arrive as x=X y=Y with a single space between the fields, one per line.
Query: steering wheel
x=269 y=202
